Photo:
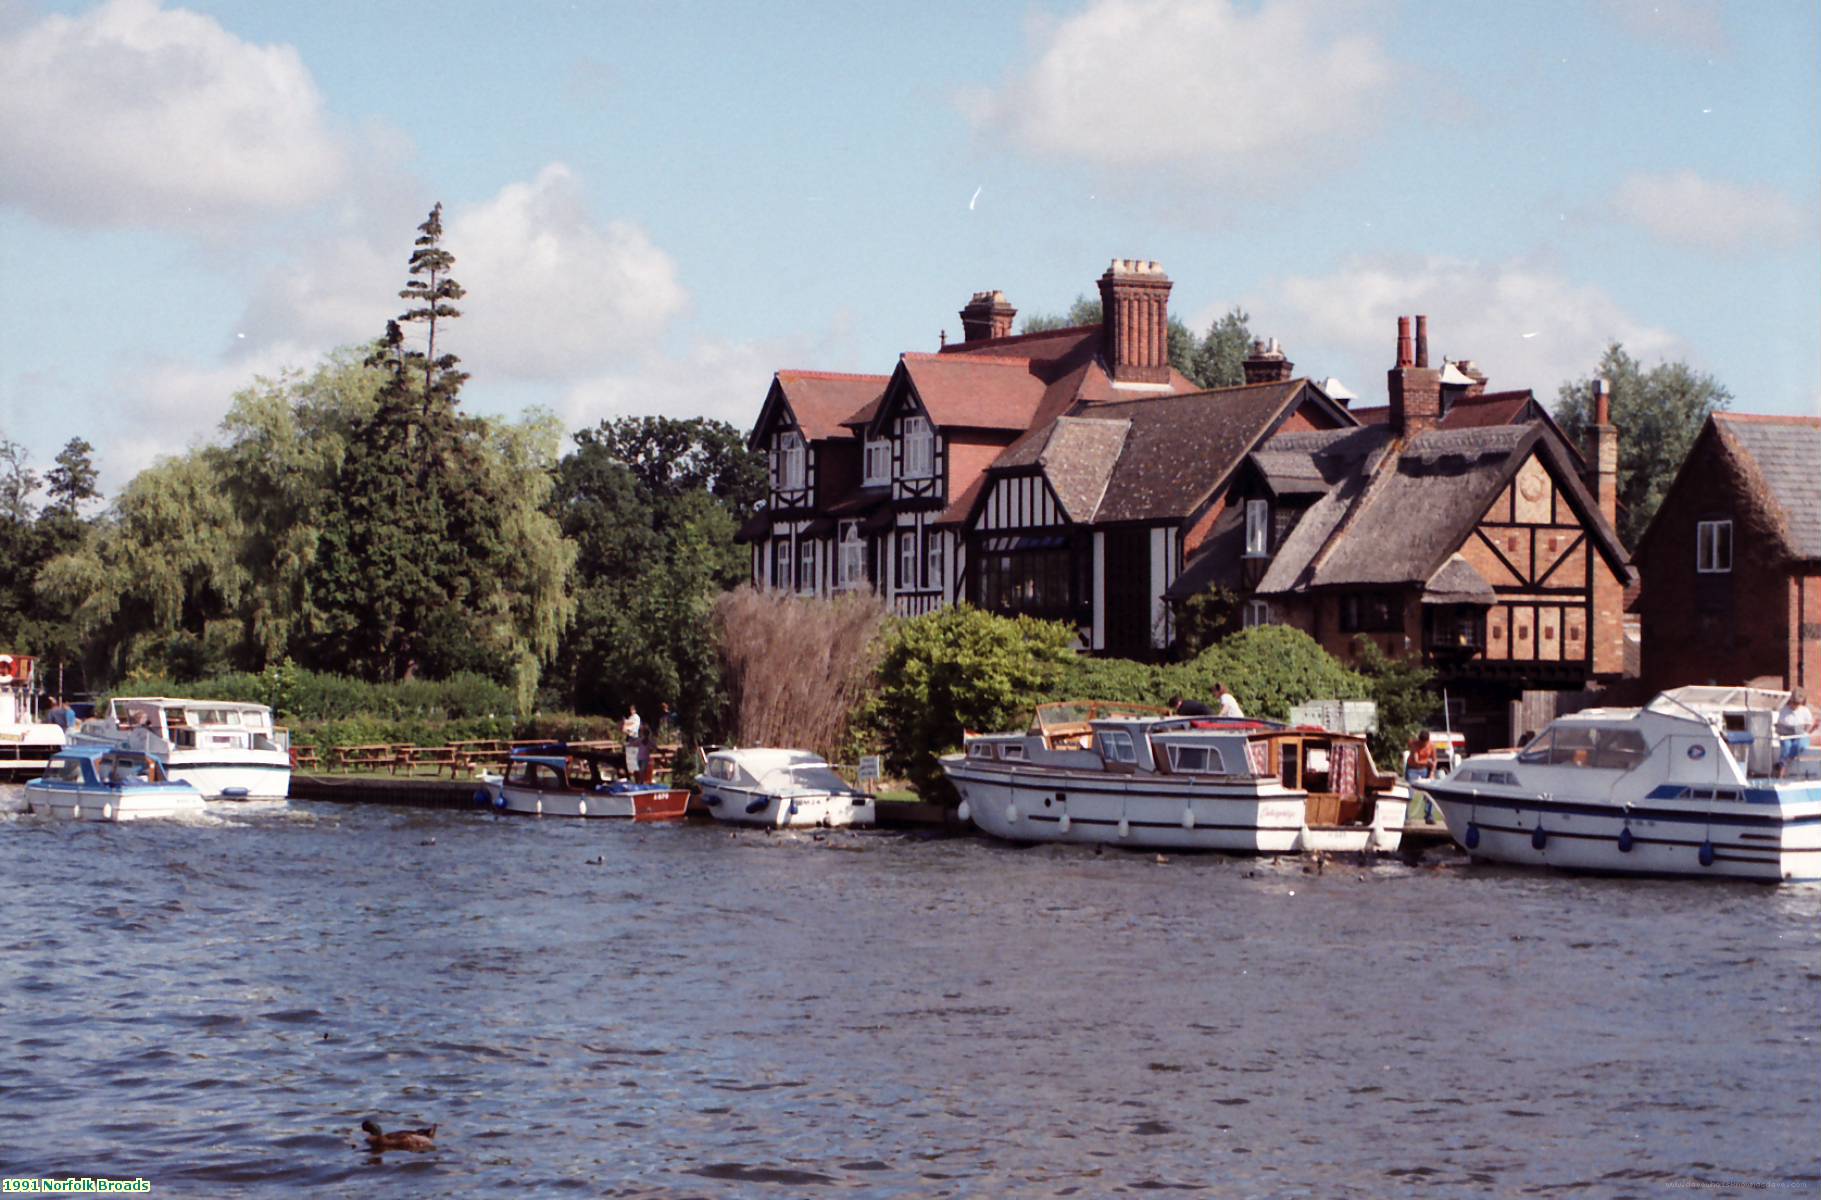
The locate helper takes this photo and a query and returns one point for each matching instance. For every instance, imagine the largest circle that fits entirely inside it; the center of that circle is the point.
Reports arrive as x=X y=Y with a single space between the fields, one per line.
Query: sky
x=655 y=206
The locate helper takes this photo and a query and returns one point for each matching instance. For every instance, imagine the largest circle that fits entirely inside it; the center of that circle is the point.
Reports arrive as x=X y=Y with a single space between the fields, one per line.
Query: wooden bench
x=366 y=757
x=304 y=758
x=437 y=758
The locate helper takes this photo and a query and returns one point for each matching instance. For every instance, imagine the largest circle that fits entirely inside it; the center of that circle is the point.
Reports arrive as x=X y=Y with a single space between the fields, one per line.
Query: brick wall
x=1722 y=628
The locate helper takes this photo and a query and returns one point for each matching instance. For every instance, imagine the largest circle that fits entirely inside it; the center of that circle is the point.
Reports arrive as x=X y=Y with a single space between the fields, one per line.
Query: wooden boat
x=96 y=783
x=1686 y=785
x=566 y=781
x=1117 y=775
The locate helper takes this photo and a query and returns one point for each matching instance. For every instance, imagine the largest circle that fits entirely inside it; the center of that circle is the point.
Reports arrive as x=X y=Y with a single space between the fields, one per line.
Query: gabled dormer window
x=1258 y=528
x=919 y=448
x=792 y=462
x=878 y=462
x=1713 y=547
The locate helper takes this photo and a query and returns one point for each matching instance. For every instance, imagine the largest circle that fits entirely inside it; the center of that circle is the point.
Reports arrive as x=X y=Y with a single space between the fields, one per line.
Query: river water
x=606 y=1009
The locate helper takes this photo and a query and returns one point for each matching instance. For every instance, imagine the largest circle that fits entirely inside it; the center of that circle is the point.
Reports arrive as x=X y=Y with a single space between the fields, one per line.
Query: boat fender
x=963 y=813
x=793 y=808
x=581 y=808
x=1473 y=836
x=754 y=805
x=1063 y=823
x=1011 y=814
x=1125 y=827
x=499 y=801
x=1188 y=818
x=1539 y=837
x=482 y=799
x=1625 y=840
x=107 y=814
x=540 y=806
x=711 y=799
x=1707 y=854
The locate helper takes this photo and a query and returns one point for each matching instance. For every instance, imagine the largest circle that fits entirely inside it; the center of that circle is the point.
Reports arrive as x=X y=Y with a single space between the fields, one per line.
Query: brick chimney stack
x=1267 y=363
x=1135 y=320
x=1415 y=390
x=1603 y=452
x=1478 y=386
x=987 y=315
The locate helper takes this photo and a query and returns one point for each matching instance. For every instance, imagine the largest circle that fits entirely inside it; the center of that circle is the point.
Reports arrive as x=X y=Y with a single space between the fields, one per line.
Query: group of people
x=1229 y=705
x=60 y=714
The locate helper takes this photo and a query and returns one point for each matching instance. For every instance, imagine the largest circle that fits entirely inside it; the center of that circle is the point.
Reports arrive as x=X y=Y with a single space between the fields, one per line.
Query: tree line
x=355 y=519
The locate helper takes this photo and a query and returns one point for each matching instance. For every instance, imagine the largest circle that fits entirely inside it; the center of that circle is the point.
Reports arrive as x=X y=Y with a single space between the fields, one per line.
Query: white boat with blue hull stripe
x=1686 y=785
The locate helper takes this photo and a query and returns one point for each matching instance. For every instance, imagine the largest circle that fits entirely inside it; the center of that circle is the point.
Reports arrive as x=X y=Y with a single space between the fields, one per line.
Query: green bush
x=1406 y=701
x=297 y=695
x=959 y=669
x=1115 y=679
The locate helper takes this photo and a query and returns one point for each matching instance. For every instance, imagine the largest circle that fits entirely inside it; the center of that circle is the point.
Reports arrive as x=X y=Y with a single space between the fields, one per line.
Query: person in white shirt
x=1229 y=704
x=1793 y=724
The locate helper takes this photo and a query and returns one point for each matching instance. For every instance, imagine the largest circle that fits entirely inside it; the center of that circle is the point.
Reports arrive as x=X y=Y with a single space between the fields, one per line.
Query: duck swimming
x=416 y=1140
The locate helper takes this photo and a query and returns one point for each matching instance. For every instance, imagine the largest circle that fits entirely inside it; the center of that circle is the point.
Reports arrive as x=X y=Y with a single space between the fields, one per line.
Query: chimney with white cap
x=1135 y=321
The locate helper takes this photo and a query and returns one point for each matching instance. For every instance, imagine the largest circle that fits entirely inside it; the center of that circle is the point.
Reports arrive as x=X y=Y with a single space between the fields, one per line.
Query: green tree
x=671 y=457
x=957 y=669
x=74 y=478
x=17 y=483
x=1658 y=413
x=1403 y=690
x=1220 y=359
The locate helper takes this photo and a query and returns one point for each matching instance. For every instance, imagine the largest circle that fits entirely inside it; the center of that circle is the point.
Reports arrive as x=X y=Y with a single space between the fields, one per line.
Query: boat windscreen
x=817 y=776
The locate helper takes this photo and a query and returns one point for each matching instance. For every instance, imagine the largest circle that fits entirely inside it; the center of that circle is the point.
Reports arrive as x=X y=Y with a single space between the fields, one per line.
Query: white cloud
x=135 y=115
x=553 y=292
x=1209 y=89
x=1687 y=210
x=1523 y=324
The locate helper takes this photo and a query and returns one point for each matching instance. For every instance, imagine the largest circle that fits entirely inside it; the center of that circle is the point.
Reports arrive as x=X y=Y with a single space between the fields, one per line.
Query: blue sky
x=655 y=206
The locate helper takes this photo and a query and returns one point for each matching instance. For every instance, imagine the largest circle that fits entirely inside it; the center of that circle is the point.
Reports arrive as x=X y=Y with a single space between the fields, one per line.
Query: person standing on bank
x=1229 y=703
x=1793 y=724
x=1420 y=762
x=61 y=715
x=630 y=729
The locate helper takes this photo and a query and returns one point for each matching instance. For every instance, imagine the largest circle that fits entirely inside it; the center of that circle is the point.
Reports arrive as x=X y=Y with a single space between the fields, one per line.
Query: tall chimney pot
x=1415 y=391
x=1405 y=356
x=1422 y=340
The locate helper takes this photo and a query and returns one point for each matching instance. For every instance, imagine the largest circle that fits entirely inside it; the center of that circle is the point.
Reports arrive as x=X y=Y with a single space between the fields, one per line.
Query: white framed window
x=806 y=568
x=1713 y=547
x=934 y=555
x=792 y=462
x=878 y=462
x=853 y=556
x=1196 y=760
x=1258 y=612
x=1116 y=746
x=919 y=448
x=907 y=560
x=1258 y=528
x=783 y=573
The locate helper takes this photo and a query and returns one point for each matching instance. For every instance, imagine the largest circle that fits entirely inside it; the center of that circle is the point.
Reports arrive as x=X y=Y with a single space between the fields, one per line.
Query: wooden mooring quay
x=472 y=794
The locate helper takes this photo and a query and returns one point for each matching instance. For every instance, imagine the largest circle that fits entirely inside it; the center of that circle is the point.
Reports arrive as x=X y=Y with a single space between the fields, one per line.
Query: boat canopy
x=1709 y=702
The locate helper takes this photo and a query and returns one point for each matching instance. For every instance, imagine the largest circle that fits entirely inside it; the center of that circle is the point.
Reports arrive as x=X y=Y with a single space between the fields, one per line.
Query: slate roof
x=824 y=401
x=1487 y=408
x=1180 y=448
x=1077 y=455
x=1398 y=512
x=1785 y=453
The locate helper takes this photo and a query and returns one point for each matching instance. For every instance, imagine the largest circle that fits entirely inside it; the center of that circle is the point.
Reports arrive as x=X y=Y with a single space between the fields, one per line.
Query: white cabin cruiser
x=1186 y=783
x=780 y=789
x=1685 y=785
x=226 y=748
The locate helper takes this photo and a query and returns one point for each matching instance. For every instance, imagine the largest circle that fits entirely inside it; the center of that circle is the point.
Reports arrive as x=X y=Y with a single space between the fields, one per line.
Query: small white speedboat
x=780 y=789
x=95 y=783
x=1686 y=785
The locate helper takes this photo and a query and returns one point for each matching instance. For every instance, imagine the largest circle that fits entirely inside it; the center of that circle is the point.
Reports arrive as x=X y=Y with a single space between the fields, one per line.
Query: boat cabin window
x=980 y=750
x=539 y=776
x=723 y=769
x=1116 y=746
x=1196 y=760
x=65 y=770
x=1587 y=746
x=1012 y=752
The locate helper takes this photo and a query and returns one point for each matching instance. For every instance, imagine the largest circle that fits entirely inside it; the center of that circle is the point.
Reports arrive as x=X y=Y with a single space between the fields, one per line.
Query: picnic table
x=371 y=757
x=305 y=757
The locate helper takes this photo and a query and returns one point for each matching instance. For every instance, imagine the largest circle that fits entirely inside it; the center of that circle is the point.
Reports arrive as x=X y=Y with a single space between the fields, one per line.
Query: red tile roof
x=824 y=401
x=976 y=392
